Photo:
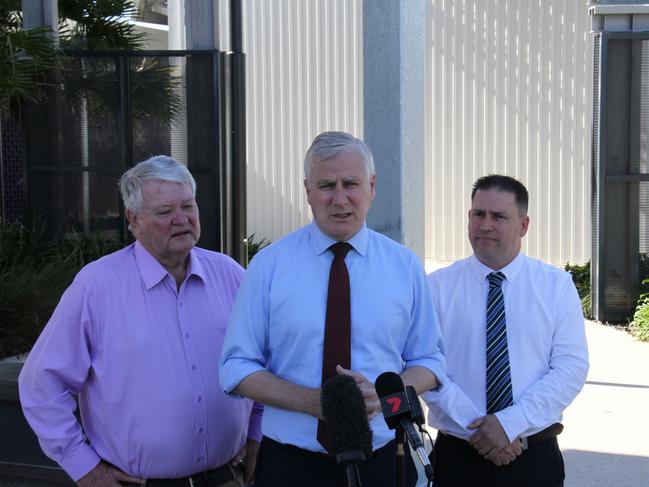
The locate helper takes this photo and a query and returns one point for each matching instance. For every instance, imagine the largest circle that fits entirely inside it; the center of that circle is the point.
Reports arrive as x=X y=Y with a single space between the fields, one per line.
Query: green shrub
x=581 y=277
x=34 y=273
x=640 y=324
x=254 y=247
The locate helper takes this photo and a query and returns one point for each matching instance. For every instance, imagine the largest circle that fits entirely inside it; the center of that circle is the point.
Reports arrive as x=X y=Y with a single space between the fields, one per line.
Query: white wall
x=509 y=92
x=304 y=76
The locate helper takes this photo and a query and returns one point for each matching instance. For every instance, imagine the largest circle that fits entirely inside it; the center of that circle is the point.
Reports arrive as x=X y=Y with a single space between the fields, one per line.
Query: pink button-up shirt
x=142 y=358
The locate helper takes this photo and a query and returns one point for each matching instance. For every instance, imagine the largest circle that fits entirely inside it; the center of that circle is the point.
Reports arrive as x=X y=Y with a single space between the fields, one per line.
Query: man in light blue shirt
x=273 y=350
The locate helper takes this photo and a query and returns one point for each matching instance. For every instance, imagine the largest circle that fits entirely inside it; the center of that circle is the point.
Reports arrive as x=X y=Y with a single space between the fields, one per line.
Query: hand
x=248 y=456
x=507 y=454
x=490 y=435
x=105 y=475
x=372 y=403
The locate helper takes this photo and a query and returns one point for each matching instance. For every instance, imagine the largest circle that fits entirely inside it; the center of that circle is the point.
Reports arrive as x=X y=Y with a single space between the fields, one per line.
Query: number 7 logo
x=395 y=402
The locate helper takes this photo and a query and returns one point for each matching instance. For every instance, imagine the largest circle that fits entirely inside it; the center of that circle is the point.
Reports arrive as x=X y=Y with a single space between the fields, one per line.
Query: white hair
x=163 y=168
x=328 y=145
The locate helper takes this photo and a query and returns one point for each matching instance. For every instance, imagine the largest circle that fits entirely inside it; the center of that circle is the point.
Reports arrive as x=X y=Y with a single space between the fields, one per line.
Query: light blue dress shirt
x=277 y=323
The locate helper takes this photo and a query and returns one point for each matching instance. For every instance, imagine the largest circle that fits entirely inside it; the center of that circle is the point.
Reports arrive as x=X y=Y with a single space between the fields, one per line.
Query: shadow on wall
x=274 y=211
x=598 y=469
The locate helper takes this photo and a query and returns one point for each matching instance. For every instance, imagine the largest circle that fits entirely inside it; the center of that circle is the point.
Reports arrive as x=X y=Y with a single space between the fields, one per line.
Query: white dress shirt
x=546 y=340
x=278 y=321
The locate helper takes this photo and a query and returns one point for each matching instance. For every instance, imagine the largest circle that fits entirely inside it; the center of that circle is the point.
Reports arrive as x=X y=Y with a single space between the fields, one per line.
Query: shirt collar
x=153 y=272
x=511 y=270
x=321 y=242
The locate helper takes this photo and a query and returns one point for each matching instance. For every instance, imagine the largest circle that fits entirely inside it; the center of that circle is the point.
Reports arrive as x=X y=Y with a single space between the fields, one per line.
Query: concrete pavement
x=606 y=436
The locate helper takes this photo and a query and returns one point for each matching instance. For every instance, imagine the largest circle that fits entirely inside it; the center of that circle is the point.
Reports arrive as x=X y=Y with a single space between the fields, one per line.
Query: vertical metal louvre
x=304 y=75
x=509 y=91
x=621 y=162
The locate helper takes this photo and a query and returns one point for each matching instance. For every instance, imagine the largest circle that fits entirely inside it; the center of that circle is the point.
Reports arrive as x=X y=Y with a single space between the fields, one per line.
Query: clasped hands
x=491 y=441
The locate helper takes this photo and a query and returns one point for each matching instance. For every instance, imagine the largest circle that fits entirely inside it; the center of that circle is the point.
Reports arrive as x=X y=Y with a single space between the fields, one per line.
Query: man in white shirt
x=515 y=347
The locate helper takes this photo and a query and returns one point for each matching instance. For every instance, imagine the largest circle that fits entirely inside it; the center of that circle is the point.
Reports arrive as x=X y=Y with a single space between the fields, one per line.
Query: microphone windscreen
x=345 y=415
x=394 y=401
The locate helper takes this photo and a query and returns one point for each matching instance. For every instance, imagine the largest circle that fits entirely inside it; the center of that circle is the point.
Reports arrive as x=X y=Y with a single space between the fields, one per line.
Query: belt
x=551 y=431
x=209 y=478
x=548 y=433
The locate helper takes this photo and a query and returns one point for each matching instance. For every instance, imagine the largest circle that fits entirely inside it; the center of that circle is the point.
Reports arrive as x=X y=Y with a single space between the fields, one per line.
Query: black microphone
x=397 y=412
x=345 y=415
x=415 y=407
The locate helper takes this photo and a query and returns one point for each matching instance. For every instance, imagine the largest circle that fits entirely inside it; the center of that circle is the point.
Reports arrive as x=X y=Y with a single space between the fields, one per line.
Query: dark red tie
x=338 y=323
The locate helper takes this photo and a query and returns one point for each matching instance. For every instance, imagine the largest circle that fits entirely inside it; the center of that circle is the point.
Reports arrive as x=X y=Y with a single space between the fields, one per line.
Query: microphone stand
x=399 y=436
x=350 y=460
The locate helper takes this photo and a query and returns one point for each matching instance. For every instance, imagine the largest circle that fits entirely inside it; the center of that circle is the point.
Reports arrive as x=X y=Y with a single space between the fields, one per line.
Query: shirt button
x=200 y=398
x=193 y=367
x=198 y=460
x=186 y=335
x=200 y=430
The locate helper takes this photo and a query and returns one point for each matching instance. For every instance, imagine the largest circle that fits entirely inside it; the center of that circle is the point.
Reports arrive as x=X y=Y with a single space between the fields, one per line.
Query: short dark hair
x=504 y=183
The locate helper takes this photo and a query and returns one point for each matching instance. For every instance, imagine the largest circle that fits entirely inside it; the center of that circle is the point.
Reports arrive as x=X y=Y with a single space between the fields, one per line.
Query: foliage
x=29 y=57
x=98 y=24
x=26 y=58
x=101 y=24
x=90 y=83
x=581 y=277
x=34 y=273
x=254 y=247
x=80 y=249
x=640 y=324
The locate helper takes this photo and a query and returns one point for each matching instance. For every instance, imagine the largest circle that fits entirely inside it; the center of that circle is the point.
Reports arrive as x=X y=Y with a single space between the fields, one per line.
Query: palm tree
x=27 y=56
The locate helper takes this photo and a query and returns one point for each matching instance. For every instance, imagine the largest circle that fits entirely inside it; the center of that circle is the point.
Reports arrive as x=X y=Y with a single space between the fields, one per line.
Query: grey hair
x=163 y=168
x=328 y=145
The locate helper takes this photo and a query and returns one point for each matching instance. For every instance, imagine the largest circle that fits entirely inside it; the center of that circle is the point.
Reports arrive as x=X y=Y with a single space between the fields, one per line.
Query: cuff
x=254 y=423
x=513 y=421
x=431 y=364
x=80 y=462
x=234 y=371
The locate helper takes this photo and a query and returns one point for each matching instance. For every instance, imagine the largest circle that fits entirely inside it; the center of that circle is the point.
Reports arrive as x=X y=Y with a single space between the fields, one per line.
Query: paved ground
x=606 y=436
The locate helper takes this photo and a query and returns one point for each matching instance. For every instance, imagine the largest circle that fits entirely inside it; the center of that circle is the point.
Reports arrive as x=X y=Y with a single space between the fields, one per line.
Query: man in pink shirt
x=136 y=339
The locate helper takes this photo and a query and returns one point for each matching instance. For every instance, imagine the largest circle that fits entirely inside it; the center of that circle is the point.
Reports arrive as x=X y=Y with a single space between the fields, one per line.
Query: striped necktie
x=499 y=382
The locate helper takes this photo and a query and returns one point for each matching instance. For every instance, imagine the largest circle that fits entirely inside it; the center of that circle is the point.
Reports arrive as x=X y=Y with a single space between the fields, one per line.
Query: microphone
x=415 y=407
x=345 y=415
x=398 y=412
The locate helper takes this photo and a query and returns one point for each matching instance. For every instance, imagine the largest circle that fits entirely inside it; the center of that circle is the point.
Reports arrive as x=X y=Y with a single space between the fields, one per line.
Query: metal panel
x=510 y=91
x=621 y=167
x=304 y=66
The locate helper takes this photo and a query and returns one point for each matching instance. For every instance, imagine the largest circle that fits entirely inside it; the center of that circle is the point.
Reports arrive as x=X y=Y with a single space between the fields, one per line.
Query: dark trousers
x=457 y=464
x=281 y=465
